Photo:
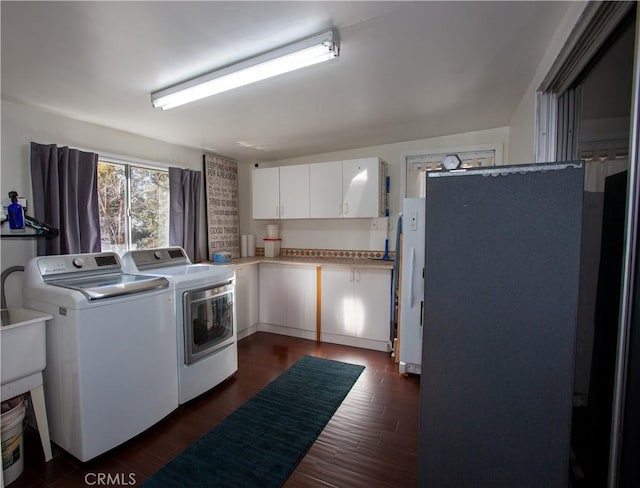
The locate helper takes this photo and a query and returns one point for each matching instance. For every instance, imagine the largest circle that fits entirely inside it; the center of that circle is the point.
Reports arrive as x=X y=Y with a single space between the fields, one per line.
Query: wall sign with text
x=221 y=185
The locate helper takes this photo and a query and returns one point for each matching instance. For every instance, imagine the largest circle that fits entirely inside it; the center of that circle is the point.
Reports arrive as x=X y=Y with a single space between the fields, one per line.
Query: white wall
x=522 y=124
x=355 y=234
x=22 y=124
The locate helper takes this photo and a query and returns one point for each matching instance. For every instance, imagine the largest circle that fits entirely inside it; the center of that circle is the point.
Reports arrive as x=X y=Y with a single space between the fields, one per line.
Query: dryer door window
x=208 y=321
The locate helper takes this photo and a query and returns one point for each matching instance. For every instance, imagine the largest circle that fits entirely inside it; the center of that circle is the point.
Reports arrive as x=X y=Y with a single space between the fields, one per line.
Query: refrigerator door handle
x=412 y=263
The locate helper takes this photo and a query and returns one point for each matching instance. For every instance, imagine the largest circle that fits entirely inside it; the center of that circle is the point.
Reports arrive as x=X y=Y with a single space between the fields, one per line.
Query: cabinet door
x=265 y=192
x=302 y=299
x=325 y=190
x=361 y=190
x=246 y=297
x=294 y=191
x=373 y=303
x=252 y=294
x=273 y=297
x=241 y=298
x=338 y=311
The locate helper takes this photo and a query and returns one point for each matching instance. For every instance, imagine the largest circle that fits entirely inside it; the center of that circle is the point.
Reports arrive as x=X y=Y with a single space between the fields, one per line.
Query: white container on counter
x=273 y=231
x=271 y=248
x=251 y=245
x=243 y=246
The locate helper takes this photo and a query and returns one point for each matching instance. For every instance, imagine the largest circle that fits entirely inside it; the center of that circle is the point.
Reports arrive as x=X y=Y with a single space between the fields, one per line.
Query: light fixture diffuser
x=288 y=58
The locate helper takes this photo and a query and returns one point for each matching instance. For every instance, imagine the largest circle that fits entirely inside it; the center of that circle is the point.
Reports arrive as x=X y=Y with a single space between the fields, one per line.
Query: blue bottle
x=16 y=213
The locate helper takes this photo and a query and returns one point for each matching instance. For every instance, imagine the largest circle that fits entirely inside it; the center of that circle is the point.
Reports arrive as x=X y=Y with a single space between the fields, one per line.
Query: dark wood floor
x=370 y=441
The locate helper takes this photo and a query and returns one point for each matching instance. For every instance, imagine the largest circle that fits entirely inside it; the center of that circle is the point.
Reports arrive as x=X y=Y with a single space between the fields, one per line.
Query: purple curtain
x=184 y=211
x=65 y=195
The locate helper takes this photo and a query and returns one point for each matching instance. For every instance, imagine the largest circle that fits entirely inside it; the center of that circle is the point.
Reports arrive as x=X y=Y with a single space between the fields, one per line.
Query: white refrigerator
x=412 y=293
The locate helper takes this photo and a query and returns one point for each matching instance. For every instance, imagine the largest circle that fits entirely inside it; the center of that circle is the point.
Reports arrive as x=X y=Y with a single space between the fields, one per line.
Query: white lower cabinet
x=288 y=299
x=246 y=300
x=355 y=307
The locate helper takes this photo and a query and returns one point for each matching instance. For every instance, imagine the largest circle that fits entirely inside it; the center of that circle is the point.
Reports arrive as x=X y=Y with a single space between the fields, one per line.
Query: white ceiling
x=407 y=70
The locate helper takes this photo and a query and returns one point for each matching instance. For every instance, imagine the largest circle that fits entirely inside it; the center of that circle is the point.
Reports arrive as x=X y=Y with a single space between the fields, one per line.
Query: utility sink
x=23 y=342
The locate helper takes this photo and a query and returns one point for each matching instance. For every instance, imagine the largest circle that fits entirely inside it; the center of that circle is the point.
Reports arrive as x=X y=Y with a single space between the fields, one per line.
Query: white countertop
x=314 y=261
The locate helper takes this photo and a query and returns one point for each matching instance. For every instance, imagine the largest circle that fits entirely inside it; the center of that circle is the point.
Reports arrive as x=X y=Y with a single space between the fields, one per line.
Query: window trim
x=143 y=163
x=497 y=148
x=594 y=27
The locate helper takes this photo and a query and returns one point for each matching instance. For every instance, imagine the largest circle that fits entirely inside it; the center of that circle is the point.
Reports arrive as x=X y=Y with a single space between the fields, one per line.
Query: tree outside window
x=134 y=206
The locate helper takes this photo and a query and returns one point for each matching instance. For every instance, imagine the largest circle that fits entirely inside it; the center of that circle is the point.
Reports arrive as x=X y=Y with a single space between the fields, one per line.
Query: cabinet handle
x=346 y=208
x=358 y=276
x=281 y=210
x=339 y=210
x=353 y=274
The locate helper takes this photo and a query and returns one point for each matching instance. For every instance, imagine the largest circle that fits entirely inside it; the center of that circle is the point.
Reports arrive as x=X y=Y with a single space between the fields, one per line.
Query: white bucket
x=12 y=442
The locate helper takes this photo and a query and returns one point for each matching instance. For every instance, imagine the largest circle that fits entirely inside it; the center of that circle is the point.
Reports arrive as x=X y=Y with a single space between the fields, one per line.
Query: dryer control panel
x=146 y=259
x=78 y=263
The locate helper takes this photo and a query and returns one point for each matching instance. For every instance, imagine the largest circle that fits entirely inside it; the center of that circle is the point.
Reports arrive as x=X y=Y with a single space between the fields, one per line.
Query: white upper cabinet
x=294 y=191
x=339 y=189
x=325 y=190
x=265 y=190
x=361 y=188
x=280 y=192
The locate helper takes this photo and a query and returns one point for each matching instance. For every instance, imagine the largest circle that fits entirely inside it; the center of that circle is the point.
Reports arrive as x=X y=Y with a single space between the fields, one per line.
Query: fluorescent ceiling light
x=288 y=58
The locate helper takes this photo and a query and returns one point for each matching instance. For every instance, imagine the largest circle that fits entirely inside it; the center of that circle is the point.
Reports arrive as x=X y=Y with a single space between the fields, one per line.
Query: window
x=134 y=206
x=418 y=165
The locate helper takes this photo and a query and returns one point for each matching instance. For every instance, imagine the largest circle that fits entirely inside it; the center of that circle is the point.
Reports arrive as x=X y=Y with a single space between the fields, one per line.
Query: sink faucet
x=3 y=298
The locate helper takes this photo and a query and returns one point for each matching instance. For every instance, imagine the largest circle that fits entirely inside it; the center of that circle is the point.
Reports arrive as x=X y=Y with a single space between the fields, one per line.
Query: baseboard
x=248 y=331
x=288 y=331
x=383 y=346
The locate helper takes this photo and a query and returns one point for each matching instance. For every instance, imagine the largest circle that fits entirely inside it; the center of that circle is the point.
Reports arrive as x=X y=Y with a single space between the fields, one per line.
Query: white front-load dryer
x=205 y=312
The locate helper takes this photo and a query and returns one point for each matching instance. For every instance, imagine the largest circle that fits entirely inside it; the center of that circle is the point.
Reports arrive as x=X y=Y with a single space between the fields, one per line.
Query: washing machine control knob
x=78 y=262
x=157 y=255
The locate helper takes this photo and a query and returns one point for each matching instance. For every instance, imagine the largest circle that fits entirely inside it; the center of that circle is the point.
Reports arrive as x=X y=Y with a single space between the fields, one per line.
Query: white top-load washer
x=110 y=349
x=205 y=316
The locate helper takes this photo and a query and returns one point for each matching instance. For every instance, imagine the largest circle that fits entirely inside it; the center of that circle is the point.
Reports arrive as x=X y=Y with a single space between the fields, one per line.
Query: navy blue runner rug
x=262 y=442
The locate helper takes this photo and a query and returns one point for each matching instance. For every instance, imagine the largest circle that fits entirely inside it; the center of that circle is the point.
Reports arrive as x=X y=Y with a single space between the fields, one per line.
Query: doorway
x=593 y=117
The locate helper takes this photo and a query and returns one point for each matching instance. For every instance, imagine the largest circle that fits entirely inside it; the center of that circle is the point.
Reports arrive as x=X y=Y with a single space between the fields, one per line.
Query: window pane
x=112 y=206
x=149 y=208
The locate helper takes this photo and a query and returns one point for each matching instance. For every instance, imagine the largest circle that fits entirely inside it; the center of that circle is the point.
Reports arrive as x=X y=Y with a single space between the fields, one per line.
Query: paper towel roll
x=243 y=246
x=251 y=245
x=273 y=231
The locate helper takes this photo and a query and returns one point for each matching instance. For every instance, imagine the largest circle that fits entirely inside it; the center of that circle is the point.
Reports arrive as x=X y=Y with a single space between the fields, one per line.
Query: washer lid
x=112 y=285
